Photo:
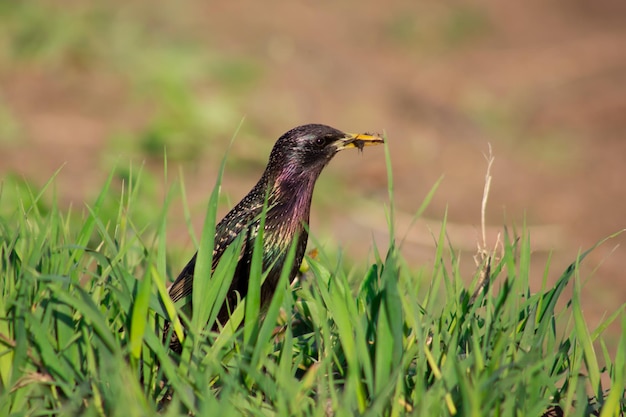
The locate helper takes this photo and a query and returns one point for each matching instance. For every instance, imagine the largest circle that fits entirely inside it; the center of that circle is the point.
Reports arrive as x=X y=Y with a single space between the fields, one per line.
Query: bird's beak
x=358 y=140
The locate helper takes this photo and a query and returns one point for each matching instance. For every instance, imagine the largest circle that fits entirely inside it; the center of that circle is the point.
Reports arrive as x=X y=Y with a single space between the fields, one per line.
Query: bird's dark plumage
x=295 y=163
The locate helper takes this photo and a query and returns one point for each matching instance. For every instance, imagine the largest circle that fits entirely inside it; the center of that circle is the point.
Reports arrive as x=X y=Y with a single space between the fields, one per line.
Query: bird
x=286 y=189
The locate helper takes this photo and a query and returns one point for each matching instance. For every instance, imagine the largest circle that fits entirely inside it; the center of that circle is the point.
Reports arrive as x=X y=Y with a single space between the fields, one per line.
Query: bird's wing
x=236 y=221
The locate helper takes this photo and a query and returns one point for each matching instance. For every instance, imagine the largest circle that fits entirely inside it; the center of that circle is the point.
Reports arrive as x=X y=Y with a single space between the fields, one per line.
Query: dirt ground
x=543 y=82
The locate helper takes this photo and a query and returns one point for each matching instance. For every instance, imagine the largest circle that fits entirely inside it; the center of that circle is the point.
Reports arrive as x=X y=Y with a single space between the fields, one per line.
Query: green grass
x=83 y=301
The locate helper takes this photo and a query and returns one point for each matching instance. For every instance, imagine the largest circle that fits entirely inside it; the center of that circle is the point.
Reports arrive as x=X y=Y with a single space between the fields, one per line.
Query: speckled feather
x=296 y=160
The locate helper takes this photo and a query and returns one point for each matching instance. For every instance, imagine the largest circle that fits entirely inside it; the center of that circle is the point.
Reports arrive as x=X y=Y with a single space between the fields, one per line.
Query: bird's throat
x=294 y=196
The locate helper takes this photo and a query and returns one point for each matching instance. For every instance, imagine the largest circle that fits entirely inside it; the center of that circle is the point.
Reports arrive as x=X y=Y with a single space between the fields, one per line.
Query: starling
x=295 y=162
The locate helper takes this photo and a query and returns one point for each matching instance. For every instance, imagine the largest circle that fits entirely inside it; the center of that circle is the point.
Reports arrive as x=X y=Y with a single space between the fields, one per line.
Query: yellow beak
x=359 y=140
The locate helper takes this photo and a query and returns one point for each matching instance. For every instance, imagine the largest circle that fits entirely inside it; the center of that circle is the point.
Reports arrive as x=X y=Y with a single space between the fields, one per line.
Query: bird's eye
x=320 y=142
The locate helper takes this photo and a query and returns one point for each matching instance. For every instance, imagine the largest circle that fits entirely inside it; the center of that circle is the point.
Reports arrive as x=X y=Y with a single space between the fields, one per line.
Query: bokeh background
x=98 y=86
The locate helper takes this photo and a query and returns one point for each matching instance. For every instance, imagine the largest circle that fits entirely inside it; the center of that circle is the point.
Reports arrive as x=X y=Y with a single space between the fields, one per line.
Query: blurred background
x=97 y=86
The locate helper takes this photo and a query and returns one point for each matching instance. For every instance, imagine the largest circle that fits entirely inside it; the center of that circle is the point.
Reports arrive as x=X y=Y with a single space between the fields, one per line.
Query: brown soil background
x=543 y=82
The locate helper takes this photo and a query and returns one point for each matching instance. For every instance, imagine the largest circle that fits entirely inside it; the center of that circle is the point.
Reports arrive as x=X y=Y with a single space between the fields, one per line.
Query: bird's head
x=306 y=150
